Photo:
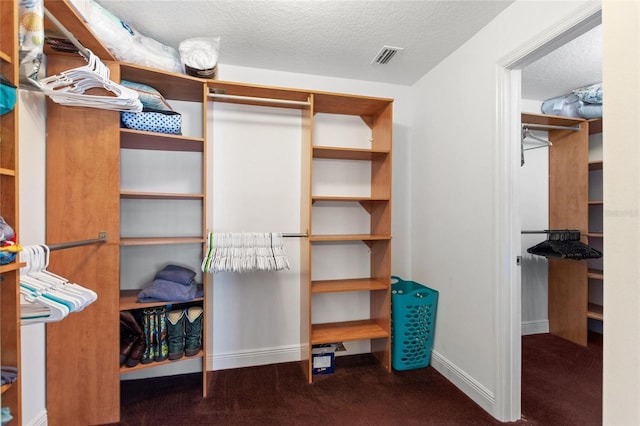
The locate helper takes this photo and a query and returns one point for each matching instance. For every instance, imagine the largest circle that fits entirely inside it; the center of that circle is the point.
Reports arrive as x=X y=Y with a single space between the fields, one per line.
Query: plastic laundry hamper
x=413 y=320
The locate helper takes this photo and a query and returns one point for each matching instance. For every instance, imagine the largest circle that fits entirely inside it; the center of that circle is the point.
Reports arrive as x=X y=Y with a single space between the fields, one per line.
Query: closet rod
x=255 y=99
x=295 y=235
x=102 y=238
x=550 y=126
x=549 y=231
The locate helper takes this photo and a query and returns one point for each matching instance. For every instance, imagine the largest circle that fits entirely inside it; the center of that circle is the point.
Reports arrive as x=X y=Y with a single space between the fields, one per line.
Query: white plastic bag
x=199 y=55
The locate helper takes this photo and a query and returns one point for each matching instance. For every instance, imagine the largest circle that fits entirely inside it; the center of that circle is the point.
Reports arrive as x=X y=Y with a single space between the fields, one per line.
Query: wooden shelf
x=596 y=203
x=595 y=235
x=138 y=139
x=355 y=284
x=129 y=301
x=315 y=198
x=7 y=172
x=160 y=240
x=159 y=196
x=125 y=370
x=5 y=57
x=346 y=331
x=348 y=237
x=5 y=388
x=553 y=120
x=181 y=87
x=596 y=165
x=595 y=312
x=595 y=126
x=595 y=274
x=13 y=266
x=335 y=153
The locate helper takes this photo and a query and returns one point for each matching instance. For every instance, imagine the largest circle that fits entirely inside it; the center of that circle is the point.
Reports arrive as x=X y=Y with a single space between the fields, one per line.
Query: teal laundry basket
x=413 y=320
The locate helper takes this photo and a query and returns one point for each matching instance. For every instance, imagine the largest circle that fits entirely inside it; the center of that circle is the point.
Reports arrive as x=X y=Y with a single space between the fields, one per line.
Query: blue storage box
x=323 y=359
x=413 y=320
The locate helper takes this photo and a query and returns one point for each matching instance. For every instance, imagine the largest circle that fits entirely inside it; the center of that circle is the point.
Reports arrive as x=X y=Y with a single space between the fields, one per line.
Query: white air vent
x=386 y=54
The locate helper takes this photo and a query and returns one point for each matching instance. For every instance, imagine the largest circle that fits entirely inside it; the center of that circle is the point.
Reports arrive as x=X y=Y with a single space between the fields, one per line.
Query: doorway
x=508 y=401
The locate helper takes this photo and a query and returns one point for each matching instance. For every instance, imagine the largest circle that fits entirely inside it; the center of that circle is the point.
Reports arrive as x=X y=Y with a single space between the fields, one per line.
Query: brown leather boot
x=128 y=324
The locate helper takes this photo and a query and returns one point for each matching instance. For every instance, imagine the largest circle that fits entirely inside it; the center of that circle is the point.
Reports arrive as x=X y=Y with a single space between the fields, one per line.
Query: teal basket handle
x=395 y=277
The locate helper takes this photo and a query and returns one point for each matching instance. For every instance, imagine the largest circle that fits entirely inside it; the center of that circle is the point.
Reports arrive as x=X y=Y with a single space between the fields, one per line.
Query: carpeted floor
x=561 y=385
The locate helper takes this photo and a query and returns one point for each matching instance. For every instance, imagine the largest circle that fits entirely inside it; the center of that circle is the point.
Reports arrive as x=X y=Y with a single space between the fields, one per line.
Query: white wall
x=621 y=20
x=454 y=202
x=32 y=130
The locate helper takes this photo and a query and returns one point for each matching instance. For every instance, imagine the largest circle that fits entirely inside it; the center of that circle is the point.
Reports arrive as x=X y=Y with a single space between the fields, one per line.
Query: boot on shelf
x=162 y=348
x=175 y=331
x=193 y=330
x=130 y=327
x=149 y=325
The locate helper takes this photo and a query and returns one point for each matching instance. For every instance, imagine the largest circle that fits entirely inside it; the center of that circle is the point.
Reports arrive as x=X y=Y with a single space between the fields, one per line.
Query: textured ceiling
x=576 y=64
x=336 y=38
x=340 y=38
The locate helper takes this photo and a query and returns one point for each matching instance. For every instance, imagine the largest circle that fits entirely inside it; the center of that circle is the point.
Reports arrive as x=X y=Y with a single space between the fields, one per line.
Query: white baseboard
x=251 y=358
x=535 y=327
x=467 y=384
x=39 y=420
x=273 y=355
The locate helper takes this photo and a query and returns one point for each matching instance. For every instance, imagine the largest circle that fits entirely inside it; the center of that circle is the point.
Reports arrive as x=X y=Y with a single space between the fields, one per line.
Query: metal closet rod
x=297 y=234
x=549 y=231
x=102 y=238
x=257 y=99
x=550 y=126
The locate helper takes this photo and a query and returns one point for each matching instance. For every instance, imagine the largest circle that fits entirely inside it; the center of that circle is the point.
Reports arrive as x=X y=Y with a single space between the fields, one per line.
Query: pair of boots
x=143 y=344
x=132 y=340
x=185 y=332
x=154 y=323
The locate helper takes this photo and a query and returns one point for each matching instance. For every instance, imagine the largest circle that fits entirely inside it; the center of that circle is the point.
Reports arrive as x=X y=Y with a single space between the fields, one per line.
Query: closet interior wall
x=570 y=207
x=85 y=195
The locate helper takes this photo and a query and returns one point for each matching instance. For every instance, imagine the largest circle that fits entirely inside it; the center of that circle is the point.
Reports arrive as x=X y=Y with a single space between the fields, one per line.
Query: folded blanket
x=177 y=274
x=167 y=291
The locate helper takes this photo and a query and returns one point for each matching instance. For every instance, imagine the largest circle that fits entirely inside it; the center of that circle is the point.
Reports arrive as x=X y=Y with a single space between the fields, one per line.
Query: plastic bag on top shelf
x=199 y=55
x=126 y=43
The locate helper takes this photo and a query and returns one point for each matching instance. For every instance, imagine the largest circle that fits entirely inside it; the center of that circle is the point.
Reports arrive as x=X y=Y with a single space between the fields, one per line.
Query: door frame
x=508 y=90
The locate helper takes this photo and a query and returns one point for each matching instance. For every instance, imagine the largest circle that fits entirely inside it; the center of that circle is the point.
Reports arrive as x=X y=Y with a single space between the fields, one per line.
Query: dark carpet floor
x=561 y=385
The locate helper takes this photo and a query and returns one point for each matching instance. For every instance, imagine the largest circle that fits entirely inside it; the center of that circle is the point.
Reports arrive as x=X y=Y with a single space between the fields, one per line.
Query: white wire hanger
x=542 y=143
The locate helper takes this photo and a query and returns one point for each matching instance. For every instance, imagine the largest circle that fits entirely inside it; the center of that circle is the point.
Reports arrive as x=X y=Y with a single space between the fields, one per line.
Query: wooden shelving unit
x=10 y=353
x=569 y=208
x=72 y=153
x=595 y=273
x=376 y=113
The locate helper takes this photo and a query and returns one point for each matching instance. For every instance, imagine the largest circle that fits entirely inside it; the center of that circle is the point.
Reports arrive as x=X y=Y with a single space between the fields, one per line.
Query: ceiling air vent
x=385 y=55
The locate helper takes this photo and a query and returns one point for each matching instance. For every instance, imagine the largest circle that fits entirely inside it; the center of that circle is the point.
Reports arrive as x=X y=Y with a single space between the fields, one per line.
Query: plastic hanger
x=69 y=87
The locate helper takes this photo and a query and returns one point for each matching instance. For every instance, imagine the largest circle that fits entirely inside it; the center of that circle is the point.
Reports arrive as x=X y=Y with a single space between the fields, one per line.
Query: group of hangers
x=49 y=297
x=69 y=87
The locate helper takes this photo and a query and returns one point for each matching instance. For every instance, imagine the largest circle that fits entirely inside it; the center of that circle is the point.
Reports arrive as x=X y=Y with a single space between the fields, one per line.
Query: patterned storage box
x=153 y=121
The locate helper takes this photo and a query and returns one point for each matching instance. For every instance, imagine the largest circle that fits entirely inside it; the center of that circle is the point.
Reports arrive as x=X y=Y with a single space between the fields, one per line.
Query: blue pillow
x=149 y=96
